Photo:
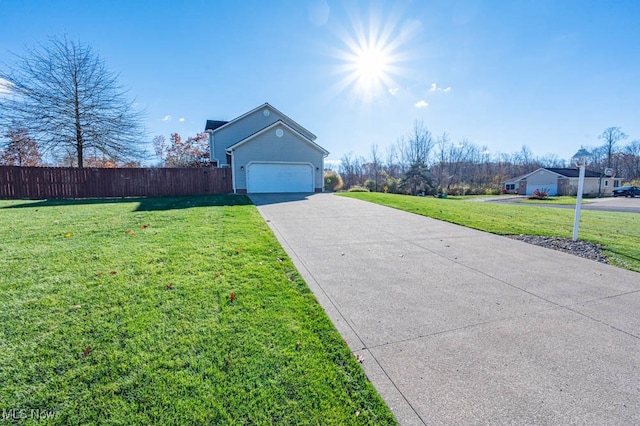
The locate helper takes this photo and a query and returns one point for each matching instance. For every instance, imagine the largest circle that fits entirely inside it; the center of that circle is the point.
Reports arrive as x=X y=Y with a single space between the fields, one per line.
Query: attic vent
x=279 y=133
x=266 y=112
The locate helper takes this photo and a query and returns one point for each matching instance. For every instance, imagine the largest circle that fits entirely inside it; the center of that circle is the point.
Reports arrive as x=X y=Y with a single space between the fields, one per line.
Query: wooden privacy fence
x=66 y=182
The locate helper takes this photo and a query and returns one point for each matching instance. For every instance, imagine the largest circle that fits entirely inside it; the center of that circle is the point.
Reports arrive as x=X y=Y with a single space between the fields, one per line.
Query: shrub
x=540 y=194
x=370 y=184
x=332 y=181
x=358 y=188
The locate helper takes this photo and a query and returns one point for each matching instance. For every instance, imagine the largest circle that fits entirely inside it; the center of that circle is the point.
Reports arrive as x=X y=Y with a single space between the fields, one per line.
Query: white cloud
x=181 y=119
x=166 y=118
x=394 y=90
x=421 y=104
x=435 y=88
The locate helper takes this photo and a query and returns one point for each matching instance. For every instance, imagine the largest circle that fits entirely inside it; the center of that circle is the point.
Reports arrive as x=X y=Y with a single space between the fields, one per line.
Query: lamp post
x=580 y=159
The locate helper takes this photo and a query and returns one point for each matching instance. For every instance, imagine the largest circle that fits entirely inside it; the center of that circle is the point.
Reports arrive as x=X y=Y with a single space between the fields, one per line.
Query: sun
x=371 y=56
x=371 y=65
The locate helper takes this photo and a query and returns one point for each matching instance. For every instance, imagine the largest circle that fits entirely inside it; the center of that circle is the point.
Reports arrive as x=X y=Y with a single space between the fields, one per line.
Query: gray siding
x=290 y=148
x=245 y=126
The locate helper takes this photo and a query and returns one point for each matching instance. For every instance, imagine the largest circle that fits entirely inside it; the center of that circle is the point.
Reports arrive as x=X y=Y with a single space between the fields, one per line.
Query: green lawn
x=166 y=311
x=619 y=233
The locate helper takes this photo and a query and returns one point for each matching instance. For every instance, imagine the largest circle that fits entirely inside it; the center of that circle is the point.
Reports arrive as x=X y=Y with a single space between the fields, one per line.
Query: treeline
x=420 y=162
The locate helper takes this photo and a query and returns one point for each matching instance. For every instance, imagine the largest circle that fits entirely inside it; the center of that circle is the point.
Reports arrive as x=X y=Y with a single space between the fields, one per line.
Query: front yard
x=165 y=311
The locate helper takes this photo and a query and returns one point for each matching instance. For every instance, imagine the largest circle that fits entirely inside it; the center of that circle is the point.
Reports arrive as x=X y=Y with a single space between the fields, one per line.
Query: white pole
x=576 y=221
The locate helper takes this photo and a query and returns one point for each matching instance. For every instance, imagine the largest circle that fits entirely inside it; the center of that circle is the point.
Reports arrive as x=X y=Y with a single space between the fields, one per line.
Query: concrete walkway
x=458 y=326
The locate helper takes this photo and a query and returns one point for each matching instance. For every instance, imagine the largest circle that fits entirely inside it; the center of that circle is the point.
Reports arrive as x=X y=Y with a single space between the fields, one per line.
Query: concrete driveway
x=458 y=326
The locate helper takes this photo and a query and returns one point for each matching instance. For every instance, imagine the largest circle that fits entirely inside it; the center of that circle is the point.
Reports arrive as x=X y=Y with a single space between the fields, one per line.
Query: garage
x=279 y=177
x=267 y=152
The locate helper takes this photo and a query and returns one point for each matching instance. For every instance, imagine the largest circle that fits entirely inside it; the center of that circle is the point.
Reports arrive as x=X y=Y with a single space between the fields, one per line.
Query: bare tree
x=630 y=162
x=64 y=95
x=160 y=148
x=443 y=146
x=391 y=166
x=611 y=136
x=375 y=165
x=416 y=147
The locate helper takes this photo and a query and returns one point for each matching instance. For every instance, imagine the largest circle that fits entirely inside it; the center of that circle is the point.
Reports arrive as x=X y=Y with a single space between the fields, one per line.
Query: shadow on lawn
x=146 y=204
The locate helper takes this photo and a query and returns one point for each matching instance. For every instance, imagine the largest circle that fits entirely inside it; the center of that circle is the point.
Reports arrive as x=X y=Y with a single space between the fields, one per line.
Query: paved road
x=458 y=326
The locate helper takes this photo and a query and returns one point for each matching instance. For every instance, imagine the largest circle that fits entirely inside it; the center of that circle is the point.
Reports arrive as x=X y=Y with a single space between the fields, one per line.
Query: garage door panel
x=279 y=177
x=550 y=188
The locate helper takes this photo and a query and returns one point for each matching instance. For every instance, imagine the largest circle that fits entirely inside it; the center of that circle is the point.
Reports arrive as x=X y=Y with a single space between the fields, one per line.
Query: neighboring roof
x=271 y=126
x=561 y=172
x=298 y=127
x=214 y=124
x=573 y=173
x=516 y=179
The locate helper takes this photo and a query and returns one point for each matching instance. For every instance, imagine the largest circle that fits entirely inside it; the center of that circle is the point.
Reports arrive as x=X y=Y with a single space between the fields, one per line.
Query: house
x=267 y=152
x=562 y=181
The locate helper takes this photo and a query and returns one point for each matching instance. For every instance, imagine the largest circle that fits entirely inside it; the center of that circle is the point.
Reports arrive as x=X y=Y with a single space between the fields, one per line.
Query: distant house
x=561 y=181
x=267 y=152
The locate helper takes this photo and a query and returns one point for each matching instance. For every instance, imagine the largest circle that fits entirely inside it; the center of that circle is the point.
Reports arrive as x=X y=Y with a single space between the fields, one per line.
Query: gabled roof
x=292 y=123
x=573 y=173
x=271 y=126
x=517 y=178
x=560 y=172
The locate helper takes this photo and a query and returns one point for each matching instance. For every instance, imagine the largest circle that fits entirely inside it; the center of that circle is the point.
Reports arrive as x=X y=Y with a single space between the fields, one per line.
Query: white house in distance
x=267 y=152
x=561 y=181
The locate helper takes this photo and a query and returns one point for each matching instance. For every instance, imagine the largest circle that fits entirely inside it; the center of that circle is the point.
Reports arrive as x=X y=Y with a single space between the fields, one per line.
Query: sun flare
x=370 y=57
x=371 y=64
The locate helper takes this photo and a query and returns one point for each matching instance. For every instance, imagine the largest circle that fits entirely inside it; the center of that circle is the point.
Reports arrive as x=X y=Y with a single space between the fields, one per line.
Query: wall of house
x=608 y=185
x=543 y=179
x=522 y=187
x=246 y=126
x=510 y=187
x=592 y=187
x=565 y=188
x=291 y=147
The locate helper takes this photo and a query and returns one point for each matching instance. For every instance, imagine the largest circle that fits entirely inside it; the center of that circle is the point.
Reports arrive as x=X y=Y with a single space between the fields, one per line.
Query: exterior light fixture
x=580 y=158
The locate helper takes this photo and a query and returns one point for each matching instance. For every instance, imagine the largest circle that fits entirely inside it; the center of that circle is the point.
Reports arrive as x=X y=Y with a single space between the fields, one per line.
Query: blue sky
x=551 y=75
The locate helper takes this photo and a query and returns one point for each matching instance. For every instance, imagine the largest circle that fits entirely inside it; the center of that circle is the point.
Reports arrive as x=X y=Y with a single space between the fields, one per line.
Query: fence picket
x=63 y=182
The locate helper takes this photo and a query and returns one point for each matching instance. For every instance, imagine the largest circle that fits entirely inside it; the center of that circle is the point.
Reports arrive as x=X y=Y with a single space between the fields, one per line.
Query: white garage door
x=279 y=177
